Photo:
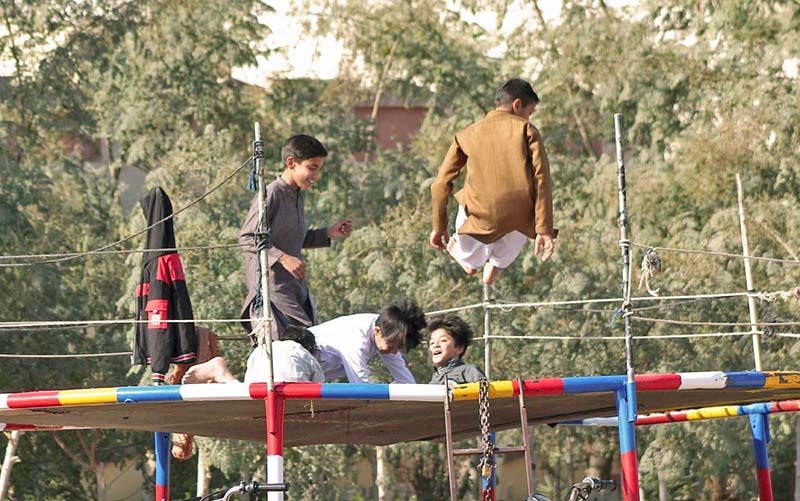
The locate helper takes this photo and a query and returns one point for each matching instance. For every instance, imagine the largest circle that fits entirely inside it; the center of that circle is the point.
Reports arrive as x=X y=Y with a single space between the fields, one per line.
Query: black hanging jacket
x=162 y=295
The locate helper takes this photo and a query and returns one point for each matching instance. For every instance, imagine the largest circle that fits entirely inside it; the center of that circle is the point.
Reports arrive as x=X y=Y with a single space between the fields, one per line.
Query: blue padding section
x=745 y=379
x=163 y=446
x=132 y=394
x=355 y=391
x=630 y=389
x=627 y=436
x=759 y=426
x=592 y=384
x=761 y=408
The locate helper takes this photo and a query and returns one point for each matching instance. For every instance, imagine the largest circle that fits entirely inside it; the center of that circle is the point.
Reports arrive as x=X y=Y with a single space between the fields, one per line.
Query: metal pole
x=263 y=254
x=487 y=327
x=626 y=399
x=759 y=427
x=751 y=301
x=163 y=444
x=274 y=403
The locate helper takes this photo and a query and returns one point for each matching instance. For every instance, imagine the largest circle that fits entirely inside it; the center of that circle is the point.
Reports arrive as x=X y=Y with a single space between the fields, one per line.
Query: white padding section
x=3 y=400
x=216 y=391
x=418 y=392
x=702 y=380
x=2 y=426
x=275 y=476
x=600 y=421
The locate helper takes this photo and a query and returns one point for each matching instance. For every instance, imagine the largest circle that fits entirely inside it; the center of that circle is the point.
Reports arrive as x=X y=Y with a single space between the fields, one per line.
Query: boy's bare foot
x=490 y=273
x=213 y=371
x=451 y=250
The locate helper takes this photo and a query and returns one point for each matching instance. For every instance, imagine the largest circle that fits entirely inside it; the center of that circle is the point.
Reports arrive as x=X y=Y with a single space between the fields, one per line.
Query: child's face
x=303 y=174
x=442 y=348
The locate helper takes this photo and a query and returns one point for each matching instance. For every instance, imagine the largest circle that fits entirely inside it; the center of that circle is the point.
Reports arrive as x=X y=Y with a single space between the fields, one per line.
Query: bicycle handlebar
x=253 y=488
x=581 y=490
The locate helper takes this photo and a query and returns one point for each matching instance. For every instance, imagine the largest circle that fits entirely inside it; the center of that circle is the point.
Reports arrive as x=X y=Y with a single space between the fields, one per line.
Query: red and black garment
x=162 y=296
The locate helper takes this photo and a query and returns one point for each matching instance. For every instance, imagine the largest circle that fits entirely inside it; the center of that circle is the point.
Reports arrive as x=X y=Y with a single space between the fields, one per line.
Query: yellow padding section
x=783 y=380
x=713 y=412
x=90 y=396
x=497 y=389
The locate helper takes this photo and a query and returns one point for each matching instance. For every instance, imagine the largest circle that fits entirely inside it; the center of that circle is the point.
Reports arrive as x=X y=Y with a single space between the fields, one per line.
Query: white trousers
x=471 y=251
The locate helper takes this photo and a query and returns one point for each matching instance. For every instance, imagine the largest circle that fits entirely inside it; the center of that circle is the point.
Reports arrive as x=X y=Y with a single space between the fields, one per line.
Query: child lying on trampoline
x=450 y=338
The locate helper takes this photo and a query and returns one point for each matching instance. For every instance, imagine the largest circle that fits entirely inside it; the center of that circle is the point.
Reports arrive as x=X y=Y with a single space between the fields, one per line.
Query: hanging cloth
x=162 y=295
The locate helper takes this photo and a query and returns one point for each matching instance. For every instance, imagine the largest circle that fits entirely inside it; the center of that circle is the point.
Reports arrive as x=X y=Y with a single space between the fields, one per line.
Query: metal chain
x=486 y=464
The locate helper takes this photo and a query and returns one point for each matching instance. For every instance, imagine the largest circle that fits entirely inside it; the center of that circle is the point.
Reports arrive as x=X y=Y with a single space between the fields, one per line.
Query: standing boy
x=507 y=192
x=303 y=157
x=450 y=338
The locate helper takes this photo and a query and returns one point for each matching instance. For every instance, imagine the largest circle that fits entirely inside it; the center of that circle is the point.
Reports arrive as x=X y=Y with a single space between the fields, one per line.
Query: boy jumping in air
x=507 y=191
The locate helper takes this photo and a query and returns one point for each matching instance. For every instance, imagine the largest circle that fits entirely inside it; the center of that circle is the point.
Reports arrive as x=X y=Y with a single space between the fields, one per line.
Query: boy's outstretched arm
x=441 y=188
x=340 y=229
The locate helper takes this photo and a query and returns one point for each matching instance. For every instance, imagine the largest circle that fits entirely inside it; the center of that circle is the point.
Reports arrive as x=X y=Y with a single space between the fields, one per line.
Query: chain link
x=486 y=464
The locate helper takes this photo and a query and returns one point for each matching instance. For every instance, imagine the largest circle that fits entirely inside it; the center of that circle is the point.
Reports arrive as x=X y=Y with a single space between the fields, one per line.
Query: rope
x=622 y=338
x=129 y=251
x=76 y=355
x=716 y=324
x=453 y=310
x=89 y=323
x=134 y=235
x=719 y=254
x=774 y=296
x=651 y=264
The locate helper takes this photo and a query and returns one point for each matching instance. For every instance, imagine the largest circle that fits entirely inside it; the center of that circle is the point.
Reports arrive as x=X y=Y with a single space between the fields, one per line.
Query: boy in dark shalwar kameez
x=303 y=157
x=162 y=296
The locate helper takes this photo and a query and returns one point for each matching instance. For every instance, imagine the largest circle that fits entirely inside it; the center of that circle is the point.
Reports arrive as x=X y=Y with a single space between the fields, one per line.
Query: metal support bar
x=759 y=427
x=748 y=276
x=627 y=448
x=526 y=439
x=451 y=466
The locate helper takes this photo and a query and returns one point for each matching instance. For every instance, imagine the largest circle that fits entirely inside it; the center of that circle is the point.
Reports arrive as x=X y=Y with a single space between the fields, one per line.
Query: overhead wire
x=194 y=202
x=717 y=254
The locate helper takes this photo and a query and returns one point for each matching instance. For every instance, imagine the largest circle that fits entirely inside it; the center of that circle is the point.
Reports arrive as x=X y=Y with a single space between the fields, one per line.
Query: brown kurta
x=508 y=184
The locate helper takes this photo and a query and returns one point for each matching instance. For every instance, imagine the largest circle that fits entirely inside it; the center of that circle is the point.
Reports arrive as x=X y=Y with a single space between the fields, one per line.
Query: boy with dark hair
x=507 y=192
x=347 y=344
x=450 y=338
x=303 y=157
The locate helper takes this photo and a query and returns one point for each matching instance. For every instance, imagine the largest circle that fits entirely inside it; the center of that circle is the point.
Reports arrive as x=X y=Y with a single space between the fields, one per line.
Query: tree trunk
x=203 y=473
x=9 y=461
x=100 y=477
x=381 y=473
x=663 y=493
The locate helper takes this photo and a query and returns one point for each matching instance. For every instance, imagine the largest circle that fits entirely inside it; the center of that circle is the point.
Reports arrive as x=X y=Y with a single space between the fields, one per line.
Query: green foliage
x=704 y=95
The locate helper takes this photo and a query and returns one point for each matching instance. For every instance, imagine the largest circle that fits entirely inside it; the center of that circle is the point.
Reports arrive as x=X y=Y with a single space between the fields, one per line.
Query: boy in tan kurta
x=507 y=196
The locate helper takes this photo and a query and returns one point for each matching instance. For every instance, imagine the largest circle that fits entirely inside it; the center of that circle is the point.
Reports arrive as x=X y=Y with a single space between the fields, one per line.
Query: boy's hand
x=439 y=239
x=341 y=229
x=544 y=241
x=295 y=266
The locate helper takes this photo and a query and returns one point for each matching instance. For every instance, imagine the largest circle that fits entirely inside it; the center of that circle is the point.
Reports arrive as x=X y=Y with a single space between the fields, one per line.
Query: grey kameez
x=291 y=300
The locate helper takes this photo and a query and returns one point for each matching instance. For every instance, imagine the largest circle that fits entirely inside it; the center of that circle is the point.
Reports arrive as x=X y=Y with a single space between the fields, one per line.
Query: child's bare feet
x=490 y=273
x=213 y=371
x=451 y=250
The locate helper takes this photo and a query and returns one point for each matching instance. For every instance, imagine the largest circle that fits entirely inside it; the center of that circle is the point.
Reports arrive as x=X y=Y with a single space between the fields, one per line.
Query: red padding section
x=764 y=485
x=47 y=398
x=162 y=493
x=630 y=476
x=653 y=382
x=548 y=386
x=258 y=391
x=668 y=417
x=785 y=406
x=299 y=390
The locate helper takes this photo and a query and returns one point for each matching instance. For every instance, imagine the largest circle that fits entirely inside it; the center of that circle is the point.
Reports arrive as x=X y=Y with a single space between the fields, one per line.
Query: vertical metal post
x=625 y=247
x=162 y=450
x=489 y=484
x=487 y=327
x=751 y=301
x=626 y=400
x=162 y=465
x=526 y=439
x=627 y=448
x=274 y=403
x=451 y=464
x=759 y=427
